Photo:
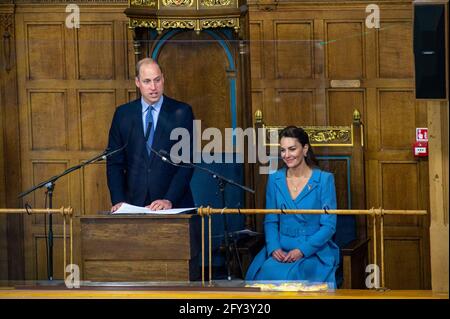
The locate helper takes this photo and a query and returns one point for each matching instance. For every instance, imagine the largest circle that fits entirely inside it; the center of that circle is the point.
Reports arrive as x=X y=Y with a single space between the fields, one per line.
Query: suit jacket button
x=149 y=170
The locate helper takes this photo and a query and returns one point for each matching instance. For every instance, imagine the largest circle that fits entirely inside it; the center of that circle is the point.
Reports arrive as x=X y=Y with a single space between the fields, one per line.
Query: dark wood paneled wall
x=298 y=50
x=12 y=225
x=70 y=80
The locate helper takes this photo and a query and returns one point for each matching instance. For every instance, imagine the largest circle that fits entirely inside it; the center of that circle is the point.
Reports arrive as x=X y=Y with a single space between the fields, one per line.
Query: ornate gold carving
x=178 y=3
x=161 y=24
x=214 y=3
x=143 y=23
x=318 y=135
x=182 y=24
x=66 y=1
x=218 y=23
x=330 y=136
x=143 y=3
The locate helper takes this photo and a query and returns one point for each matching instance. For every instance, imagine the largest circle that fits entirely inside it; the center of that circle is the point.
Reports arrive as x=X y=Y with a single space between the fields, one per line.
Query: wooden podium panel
x=138 y=247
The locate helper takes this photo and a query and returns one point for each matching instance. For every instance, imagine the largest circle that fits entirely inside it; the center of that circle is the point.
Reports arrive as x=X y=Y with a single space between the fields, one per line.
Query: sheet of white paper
x=131 y=209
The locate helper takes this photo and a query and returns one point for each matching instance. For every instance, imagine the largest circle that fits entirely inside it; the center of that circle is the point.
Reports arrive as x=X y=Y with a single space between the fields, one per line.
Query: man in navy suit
x=137 y=175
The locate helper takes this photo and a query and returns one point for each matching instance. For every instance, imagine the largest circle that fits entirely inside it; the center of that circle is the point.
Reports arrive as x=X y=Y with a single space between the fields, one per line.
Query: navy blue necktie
x=150 y=130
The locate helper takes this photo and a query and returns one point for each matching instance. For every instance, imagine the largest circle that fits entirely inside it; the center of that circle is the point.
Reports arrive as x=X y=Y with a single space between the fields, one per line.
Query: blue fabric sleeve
x=272 y=221
x=327 y=221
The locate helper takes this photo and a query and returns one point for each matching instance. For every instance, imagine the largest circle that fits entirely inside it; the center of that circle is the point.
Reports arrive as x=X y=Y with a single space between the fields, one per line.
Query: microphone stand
x=50 y=186
x=222 y=182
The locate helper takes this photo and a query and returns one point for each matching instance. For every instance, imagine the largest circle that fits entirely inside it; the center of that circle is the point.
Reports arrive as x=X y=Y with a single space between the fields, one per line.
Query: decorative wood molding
x=177 y=3
x=63 y=1
x=143 y=3
x=219 y=23
x=143 y=23
x=267 y=5
x=213 y=3
x=186 y=14
x=7 y=28
x=318 y=135
x=7 y=21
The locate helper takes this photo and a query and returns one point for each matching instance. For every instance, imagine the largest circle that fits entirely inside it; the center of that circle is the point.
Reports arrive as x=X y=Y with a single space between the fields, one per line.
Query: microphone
x=107 y=153
x=161 y=154
x=165 y=156
x=104 y=153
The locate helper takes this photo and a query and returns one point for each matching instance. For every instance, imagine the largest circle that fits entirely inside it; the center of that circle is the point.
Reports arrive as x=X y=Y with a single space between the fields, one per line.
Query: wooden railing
x=373 y=212
x=65 y=212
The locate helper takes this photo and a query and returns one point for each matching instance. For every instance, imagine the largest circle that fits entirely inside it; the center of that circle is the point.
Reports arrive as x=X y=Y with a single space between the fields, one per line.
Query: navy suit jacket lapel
x=137 y=118
x=138 y=135
x=140 y=148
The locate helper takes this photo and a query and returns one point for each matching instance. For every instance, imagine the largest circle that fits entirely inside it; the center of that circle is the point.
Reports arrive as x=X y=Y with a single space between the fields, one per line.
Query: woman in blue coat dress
x=298 y=246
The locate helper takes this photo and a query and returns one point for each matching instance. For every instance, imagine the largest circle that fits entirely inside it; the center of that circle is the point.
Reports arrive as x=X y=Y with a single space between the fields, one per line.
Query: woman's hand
x=278 y=255
x=292 y=256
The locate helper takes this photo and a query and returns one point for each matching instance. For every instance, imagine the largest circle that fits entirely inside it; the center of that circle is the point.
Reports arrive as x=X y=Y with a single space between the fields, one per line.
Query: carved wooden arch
x=154 y=22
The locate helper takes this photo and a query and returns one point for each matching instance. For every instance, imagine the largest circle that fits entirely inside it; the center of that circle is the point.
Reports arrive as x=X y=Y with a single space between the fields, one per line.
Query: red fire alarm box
x=420 y=149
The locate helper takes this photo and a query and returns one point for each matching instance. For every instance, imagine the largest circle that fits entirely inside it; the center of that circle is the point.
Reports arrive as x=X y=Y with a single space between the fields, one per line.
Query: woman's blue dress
x=310 y=233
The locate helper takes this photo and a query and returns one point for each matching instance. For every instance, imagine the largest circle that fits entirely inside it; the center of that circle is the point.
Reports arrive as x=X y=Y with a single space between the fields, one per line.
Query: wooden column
x=438 y=172
x=10 y=178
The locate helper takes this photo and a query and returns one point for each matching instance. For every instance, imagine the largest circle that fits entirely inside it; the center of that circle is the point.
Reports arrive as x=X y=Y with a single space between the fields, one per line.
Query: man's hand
x=160 y=204
x=279 y=255
x=292 y=256
x=116 y=207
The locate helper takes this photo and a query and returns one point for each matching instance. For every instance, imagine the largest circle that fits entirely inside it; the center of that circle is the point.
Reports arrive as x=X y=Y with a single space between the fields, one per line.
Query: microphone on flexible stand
x=50 y=186
x=107 y=153
x=164 y=156
x=167 y=158
x=222 y=182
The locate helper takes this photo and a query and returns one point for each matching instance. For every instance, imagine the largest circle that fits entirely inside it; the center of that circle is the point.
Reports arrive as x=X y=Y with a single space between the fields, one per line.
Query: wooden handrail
x=373 y=212
x=206 y=211
x=64 y=211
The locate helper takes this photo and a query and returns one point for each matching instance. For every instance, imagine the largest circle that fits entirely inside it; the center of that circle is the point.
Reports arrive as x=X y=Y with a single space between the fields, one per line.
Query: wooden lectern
x=139 y=247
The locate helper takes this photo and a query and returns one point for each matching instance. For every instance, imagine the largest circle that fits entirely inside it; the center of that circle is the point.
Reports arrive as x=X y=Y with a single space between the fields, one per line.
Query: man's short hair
x=146 y=61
